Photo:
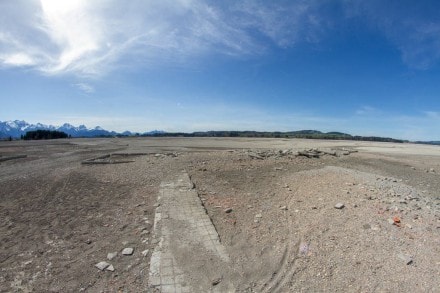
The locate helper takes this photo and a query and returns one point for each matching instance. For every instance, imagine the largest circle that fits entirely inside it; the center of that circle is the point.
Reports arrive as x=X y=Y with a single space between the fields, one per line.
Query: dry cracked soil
x=357 y=217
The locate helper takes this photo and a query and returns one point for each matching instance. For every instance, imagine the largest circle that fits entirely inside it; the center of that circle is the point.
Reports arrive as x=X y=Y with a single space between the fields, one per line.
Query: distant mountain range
x=17 y=128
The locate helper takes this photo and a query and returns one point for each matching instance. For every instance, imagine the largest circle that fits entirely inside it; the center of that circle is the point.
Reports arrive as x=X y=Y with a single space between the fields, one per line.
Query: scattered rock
x=102 y=265
x=217 y=281
x=406 y=259
x=111 y=255
x=366 y=226
x=145 y=252
x=228 y=210
x=110 y=268
x=88 y=241
x=339 y=206
x=283 y=208
x=127 y=251
x=258 y=216
x=390 y=221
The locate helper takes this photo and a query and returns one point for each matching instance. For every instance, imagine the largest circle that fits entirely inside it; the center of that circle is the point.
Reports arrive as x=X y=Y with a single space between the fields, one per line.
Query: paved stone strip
x=181 y=221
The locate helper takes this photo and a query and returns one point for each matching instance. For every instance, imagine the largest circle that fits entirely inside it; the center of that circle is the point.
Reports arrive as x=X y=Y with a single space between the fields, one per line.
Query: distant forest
x=44 y=134
x=310 y=134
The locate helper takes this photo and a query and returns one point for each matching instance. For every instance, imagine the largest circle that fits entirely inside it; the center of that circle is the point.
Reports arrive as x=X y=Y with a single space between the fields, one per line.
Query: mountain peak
x=17 y=128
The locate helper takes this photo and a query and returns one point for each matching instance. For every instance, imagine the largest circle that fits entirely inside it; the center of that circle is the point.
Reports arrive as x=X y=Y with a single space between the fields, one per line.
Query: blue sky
x=362 y=67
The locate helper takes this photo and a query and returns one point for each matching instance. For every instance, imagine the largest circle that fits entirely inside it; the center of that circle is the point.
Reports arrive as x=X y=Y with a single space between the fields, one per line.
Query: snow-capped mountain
x=17 y=128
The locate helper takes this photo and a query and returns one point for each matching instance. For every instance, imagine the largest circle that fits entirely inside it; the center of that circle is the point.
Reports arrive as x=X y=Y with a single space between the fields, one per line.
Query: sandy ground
x=284 y=234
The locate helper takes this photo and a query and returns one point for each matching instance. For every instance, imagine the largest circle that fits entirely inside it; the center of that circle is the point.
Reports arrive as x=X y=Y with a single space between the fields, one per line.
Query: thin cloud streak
x=405 y=24
x=90 y=37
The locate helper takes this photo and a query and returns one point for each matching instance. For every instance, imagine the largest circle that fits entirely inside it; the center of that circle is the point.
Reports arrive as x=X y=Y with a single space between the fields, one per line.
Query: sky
x=360 y=67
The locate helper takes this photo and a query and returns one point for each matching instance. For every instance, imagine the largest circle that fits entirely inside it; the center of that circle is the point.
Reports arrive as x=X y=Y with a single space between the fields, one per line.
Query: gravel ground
x=60 y=217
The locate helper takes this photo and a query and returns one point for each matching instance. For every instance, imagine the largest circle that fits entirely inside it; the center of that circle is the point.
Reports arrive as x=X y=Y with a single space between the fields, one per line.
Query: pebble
x=127 y=251
x=111 y=255
x=407 y=259
x=339 y=206
x=390 y=221
x=102 y=265
x=283 y=208
x=145 y=252
x=216 y=281
x=110 y=268
x=228 y=210
x=258 y=216
x=88 y=241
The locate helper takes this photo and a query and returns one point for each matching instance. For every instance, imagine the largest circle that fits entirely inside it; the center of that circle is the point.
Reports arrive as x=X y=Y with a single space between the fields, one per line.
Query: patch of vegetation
x=310 y=134
x=44 y=134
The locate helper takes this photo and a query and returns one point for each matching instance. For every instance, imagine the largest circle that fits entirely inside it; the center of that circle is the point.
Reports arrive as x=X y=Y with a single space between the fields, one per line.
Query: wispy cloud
x=90 y=37
x=366 y=110
x=412 y=27
x=86 y=88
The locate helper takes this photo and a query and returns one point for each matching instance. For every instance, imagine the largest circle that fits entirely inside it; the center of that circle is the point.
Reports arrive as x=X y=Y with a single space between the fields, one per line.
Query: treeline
x=309 y=134
x=44 y=134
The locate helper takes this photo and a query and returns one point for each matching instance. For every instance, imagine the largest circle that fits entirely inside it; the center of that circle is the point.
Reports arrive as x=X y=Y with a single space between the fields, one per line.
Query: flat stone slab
x=102 y=265
x=189 y=248
x=127 y=251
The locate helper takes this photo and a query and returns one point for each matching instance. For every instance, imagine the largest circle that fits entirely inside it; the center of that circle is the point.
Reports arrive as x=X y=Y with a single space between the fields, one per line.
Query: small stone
x=314 y=207
x=258 y=216
x=102 y=265
x=156 y=205
x=88 y=241
x=111 y=255
x=124 y=243
x=366 y=226
x=110 y=268
x=406 y=259
x=228 y=210
x=127 y=251
x=216 y=281
x=145 y=252
x=339 y=206
x=390 y=221
x=283 y=208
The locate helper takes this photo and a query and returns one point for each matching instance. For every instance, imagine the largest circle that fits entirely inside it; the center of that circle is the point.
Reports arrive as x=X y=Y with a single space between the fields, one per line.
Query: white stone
x=111 y=255
x=339 y=206
x=102 y=265
x=127 y=251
